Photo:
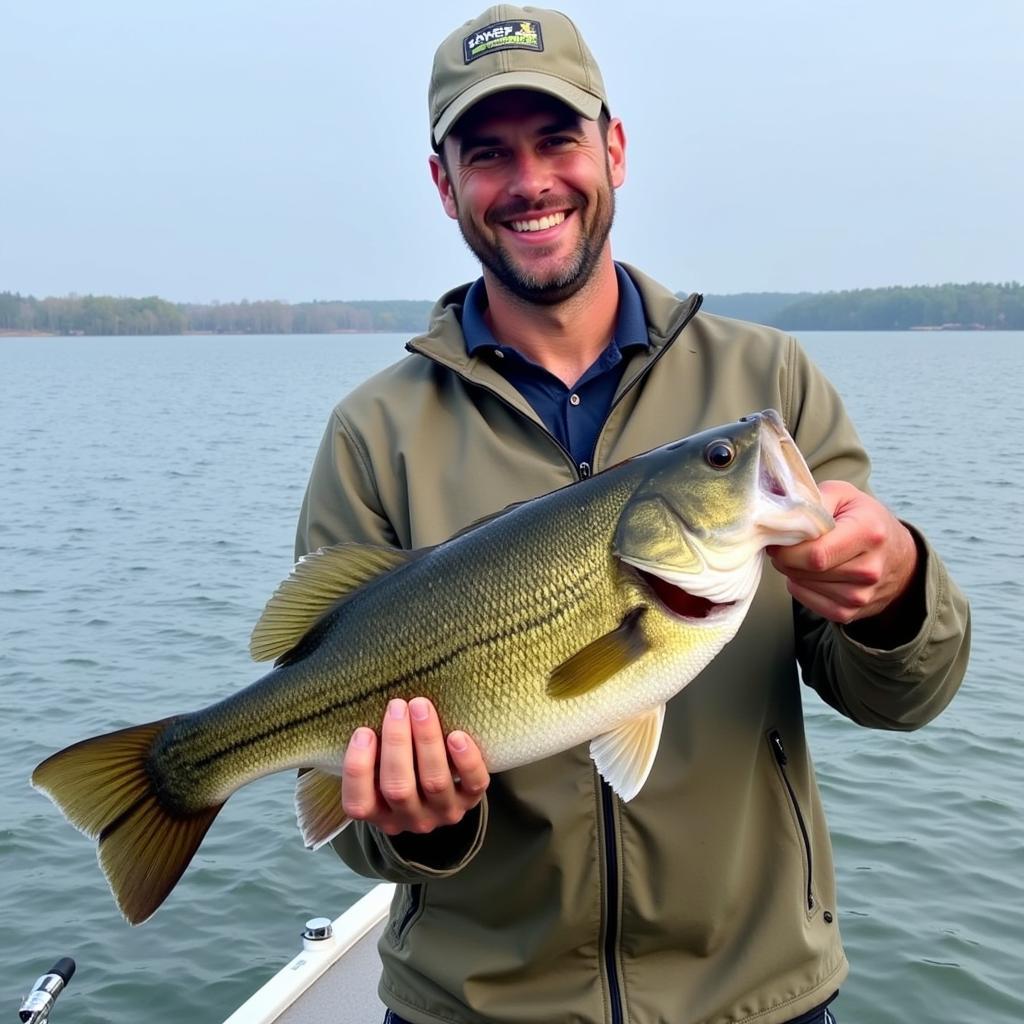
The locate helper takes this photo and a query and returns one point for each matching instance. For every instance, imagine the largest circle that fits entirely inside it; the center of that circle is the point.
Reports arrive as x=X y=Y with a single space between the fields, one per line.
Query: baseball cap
x=510 y=47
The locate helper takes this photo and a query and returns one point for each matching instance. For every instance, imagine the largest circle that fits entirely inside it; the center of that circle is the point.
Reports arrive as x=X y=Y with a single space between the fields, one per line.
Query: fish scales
x=498 y=659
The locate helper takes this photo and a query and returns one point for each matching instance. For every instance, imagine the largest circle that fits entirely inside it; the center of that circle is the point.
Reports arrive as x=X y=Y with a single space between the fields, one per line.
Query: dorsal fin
x=318 y=582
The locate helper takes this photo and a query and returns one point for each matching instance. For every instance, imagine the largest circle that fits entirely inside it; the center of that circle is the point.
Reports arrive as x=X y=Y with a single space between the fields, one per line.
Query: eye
x=719 y=454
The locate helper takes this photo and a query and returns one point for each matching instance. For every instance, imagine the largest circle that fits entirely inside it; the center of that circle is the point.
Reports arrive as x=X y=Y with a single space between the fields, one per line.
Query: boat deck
x=332 y=981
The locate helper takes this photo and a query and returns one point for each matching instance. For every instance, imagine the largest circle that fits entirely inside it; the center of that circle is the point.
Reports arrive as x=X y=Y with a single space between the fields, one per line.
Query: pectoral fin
x=318 y=807
x=600 y=660
x=625 y=755
x=317 y=583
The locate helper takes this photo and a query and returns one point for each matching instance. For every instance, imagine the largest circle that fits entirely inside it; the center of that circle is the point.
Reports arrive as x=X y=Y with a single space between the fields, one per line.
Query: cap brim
x=586 y=104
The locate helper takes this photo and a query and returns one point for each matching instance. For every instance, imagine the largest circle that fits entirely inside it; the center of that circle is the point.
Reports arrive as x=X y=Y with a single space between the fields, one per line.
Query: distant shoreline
x=6 y=332
x=950 y=307
x=924 y=328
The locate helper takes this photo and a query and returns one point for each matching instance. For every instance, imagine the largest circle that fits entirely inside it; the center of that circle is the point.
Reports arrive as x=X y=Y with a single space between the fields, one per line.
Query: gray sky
x=243 y=149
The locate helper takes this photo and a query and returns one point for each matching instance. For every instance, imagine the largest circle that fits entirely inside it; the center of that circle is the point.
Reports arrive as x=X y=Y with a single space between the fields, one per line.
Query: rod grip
x=65 y=967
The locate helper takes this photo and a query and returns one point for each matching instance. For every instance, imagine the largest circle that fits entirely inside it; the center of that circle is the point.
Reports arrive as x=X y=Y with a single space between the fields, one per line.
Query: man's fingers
x=864 y=571
x=404 y=781
x=836 y=548
x=469 y=766
x=397 y=775
x=359 y=776
x=432 y=768
x=838 y=602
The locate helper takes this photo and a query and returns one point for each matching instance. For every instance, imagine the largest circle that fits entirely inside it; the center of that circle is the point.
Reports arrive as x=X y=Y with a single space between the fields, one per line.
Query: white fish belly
x=549 y=725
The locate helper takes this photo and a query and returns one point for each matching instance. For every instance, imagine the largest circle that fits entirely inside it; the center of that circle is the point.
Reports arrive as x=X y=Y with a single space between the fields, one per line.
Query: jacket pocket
x=411 y=908
x=781 y=760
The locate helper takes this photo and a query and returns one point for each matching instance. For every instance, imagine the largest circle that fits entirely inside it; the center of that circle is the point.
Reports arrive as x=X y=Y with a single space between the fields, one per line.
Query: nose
x=531 y=177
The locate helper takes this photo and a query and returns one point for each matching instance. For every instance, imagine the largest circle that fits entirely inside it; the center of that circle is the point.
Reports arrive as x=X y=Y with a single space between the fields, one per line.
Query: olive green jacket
x=709 y=897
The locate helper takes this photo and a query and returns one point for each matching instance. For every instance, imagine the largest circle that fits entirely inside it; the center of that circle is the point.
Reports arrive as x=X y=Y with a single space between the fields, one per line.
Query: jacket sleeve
x=342 y=505
x=905 y=686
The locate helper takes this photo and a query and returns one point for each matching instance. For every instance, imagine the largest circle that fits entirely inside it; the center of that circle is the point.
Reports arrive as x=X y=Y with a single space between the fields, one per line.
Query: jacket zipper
x=779 y=752
x=690 y=314
x=611 y=917
x=415 y=895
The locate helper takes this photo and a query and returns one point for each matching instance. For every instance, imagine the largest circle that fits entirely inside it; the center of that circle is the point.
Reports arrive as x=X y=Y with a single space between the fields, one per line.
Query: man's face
x=532 y=186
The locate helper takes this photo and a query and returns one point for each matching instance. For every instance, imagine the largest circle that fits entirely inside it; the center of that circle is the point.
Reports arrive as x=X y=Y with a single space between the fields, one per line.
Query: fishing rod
x=37 y=1006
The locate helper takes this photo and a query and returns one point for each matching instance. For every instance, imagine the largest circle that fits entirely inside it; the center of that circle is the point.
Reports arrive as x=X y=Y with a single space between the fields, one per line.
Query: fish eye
x=719 y=454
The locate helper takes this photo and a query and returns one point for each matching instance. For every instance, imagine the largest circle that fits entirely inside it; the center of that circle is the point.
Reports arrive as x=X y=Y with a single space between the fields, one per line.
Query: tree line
x=105 y=315
x=968 y=306
x=90 y=314
x=987 y=306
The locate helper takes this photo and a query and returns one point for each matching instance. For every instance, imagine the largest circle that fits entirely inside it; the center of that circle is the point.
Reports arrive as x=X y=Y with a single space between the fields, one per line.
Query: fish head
x=697 y=525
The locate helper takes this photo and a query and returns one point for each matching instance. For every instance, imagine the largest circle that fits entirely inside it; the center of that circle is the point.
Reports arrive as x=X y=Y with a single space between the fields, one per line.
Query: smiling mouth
x=679 y=602
x=549 y=220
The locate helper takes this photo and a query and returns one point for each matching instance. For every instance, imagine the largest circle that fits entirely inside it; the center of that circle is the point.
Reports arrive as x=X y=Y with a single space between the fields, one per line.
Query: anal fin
x=625 y=756
x=318 y=807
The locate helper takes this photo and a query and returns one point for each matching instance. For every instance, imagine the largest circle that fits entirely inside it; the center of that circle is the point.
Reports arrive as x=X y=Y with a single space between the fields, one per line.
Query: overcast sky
x=242 y=149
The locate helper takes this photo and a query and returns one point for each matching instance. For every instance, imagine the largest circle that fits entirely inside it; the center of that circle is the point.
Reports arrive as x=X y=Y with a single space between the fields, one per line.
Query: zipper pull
x=584 y=468
x=777 y=748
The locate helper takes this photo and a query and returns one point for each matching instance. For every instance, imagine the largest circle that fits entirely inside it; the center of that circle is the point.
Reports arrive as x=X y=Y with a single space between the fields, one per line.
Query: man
x=537 y=895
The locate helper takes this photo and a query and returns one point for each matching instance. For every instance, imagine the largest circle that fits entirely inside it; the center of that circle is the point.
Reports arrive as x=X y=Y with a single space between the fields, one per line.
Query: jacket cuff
x=409 y=857
x=905 y=686
x=931 y=583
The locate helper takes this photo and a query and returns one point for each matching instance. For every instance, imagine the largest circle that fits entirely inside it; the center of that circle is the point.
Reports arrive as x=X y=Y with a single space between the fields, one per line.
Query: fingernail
x=418 y=709
x=396 y=709
x=361 y=738
x=457 y=741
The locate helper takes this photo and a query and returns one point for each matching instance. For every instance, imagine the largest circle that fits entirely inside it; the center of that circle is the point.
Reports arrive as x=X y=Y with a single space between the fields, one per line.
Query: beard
x=556 y=286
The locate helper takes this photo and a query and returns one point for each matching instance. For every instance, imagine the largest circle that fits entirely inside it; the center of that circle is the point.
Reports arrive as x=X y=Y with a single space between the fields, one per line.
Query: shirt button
x=498 y=354
x=574 y=399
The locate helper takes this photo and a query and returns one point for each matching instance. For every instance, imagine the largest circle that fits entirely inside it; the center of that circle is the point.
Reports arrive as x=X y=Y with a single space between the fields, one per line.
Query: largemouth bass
x=570 y=618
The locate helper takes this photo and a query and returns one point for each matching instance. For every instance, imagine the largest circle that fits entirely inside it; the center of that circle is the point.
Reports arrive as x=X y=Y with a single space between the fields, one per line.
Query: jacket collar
x=445 y=344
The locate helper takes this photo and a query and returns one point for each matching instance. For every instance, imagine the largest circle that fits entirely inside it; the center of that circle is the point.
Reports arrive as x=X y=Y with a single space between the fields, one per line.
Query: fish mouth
x=681 y=603
x=791 y=506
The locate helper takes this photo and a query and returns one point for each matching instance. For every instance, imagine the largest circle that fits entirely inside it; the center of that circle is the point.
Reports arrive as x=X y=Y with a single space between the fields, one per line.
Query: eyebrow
x=569 y=122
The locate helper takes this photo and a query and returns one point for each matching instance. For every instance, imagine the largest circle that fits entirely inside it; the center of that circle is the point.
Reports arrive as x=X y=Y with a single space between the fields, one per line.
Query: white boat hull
x=332 y=980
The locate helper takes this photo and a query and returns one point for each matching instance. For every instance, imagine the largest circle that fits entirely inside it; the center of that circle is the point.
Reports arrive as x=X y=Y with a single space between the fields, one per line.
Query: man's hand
x=861 y=569
x=421 y=782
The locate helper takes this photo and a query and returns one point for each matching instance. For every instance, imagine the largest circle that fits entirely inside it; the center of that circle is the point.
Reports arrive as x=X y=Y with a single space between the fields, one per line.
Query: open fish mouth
x=714 y=571
x=790 y=507
x=681 y=603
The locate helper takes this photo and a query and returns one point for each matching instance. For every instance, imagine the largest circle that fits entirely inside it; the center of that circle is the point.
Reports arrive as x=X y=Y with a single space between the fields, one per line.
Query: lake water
x=150 y=489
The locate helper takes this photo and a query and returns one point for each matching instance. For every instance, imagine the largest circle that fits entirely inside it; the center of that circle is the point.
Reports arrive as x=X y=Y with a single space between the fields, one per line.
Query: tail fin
x=105 y=790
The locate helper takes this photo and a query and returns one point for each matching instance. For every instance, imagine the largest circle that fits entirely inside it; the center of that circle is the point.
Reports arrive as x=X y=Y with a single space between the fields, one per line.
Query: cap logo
x=502 y=35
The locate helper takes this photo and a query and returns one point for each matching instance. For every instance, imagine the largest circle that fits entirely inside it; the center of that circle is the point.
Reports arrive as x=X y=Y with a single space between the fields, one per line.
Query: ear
x=443 y=184
x=616 y=152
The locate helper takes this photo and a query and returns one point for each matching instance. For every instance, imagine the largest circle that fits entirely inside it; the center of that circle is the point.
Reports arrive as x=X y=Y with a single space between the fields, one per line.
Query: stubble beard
x=569 y=279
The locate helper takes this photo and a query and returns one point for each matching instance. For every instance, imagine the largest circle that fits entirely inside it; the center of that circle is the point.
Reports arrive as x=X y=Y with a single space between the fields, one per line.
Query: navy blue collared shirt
x=575 y=415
